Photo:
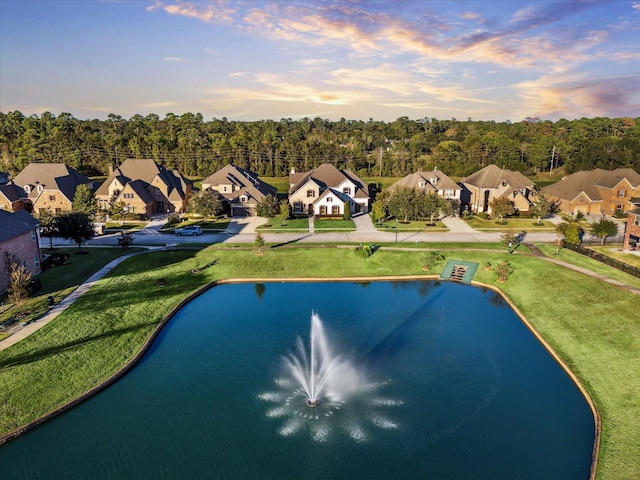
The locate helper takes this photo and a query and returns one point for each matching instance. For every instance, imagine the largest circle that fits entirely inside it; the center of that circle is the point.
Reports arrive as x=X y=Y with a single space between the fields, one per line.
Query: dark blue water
x=474 y=394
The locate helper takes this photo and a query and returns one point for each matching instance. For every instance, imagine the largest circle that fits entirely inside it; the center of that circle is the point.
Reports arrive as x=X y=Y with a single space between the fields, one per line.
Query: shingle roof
x=146 y=170
x=328 y=176
x=13 y=225
x=246 y=183
x=12 y=192
x=492 y=176
x=413 y=180
x=52 y=176
x=587 y=181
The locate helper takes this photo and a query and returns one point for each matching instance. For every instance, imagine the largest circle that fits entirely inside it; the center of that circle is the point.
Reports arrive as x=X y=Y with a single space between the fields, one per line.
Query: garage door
x=242 y=212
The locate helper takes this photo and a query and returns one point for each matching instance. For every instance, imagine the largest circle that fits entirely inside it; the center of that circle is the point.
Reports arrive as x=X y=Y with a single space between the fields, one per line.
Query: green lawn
x=334 y=225
x=593 y=326
x=412 y=226
x=59 y=281
x=290 y=225
x=520 y=224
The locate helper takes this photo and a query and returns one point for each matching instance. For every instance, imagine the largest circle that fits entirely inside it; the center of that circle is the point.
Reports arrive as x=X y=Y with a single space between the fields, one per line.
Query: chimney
x=111 y=169
x=293 y=170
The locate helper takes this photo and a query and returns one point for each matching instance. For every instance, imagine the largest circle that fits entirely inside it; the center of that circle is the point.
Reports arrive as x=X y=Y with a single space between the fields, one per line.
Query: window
x=39 y=188
x=422 y=184
x=335 y=210
x=636 y=220
x=52 y=198
x=297 y=207
x=323 y=209
x=33 y=235
x=224 y=189
x=621 y=193
x=58 y=211
x=449 y=193
x=311 y=193
x=27 y=188
x=329 y=199
x=346 y=190
x=243 y=198
x=36 y=260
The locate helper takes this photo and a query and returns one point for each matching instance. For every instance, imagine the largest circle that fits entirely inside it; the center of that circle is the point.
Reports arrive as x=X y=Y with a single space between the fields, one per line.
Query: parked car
x=189 y=230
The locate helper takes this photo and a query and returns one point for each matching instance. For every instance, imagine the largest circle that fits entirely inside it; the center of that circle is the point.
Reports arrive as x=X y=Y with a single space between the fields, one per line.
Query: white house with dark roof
x=50 y=186
x=242 y=189
x=492 y=182
x=145 y=187
x=20 y=241
x=312 y=192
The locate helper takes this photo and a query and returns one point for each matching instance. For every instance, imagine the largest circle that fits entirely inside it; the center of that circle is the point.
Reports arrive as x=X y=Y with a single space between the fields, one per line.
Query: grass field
x=593 y=326
x=519 y=224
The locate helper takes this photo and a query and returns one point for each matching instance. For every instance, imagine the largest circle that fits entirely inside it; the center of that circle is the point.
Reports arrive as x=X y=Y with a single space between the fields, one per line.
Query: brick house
x=145 y=187
x=632 y=230
x=492 y=182
x=242 y=189
x=596 y=192
x=50 y=186
x=13 y=198
x=19 y=240
x=326 y=190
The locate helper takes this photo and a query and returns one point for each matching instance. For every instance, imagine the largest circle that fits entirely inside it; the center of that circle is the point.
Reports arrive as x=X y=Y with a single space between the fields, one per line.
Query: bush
x=432 y=259
x=483 y=215
x=55 y=260
x=364 y=251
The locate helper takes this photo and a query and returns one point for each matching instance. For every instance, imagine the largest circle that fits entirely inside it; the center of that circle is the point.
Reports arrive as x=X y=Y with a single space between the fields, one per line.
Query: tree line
x=199 y=147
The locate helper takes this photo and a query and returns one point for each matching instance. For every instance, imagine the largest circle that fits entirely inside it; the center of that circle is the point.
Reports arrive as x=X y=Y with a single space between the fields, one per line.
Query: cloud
x=172 y=59
x=582 y=97
x=158 y=104
x=214 y=11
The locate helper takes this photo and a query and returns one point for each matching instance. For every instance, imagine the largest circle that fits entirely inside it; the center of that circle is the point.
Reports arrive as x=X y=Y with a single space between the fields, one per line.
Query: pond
x=448 y=383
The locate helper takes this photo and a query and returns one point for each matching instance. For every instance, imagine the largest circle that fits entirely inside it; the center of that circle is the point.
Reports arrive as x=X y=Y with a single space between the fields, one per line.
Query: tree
x=48 y=226
x=118 y=210
x=378 y=211
x=75 y=226
x=285 y=211
x=434 y=205
x=570 y=231
x=19 y=280
x=403 y=204
x=84 y=201
x=347 y=211
x=540 y=207
x=259 y=242
x=501 y=208
x=268 y=207
x=509 y=239
x=604 y=229
x=125 y=240
x=206 y=203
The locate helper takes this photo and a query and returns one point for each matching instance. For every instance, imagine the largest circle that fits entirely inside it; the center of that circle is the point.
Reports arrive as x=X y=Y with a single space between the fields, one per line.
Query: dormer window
x=434 y=180
x=346 y=190
x=422 y=184
x=27 y=188
x=504 y=184
x=39 y=188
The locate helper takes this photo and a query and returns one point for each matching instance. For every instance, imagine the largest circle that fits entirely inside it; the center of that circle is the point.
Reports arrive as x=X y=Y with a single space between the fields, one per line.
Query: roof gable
x=13 y=225
x=52 y=176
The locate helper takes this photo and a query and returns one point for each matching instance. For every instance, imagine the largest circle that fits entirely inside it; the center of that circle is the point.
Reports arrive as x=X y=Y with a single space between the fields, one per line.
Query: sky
x=250 y=60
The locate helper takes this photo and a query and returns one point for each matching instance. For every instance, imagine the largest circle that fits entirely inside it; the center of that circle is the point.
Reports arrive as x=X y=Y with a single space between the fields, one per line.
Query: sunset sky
x=382 y=59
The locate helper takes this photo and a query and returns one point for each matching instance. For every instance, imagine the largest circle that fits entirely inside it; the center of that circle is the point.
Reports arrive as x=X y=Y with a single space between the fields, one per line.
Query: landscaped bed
x=592 y=325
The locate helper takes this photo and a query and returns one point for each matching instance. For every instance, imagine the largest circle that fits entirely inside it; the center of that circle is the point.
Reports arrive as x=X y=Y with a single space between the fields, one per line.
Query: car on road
x=189 y=230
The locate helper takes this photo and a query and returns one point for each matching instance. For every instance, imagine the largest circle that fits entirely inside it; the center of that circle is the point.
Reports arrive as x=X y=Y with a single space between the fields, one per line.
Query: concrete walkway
x=457 y=225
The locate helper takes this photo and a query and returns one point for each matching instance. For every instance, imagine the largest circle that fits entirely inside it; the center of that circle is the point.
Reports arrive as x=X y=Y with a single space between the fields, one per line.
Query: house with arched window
x=492 y=182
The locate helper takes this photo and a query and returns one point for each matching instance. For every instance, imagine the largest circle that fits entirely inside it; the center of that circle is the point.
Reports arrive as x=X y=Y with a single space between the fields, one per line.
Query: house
x=242 y=189
x=19 y=240
x=50 y=186
x=596 y=192
x=145 y=187
x=326 y=190
x=432 y=182
x=632 y=230
x=492 y=182
x=13 y=198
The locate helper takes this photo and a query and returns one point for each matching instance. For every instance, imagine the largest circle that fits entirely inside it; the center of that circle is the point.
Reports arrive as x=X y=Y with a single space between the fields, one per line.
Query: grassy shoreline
x=106 y=327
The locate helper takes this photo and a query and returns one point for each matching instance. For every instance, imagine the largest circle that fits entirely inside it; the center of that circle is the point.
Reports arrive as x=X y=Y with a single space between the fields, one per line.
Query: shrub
x=432 y=259
x=364 y=251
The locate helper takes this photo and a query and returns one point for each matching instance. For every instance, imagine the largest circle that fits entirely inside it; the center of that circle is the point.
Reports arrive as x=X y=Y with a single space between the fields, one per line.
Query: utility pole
x=553 y=155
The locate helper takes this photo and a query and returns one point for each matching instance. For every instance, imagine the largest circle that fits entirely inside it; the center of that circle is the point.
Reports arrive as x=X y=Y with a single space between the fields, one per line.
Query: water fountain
x=317 y=378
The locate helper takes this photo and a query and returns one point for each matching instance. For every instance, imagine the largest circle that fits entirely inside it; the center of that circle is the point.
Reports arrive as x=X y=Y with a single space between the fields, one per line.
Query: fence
x=612 y=262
